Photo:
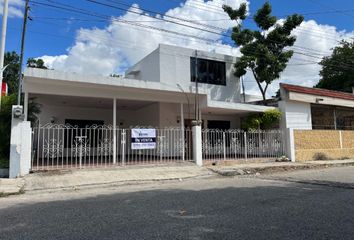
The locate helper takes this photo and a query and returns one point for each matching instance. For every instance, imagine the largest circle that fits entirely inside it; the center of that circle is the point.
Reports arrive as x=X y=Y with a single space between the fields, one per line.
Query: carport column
x=197 y=145
x=114 y=131
x=290 y=144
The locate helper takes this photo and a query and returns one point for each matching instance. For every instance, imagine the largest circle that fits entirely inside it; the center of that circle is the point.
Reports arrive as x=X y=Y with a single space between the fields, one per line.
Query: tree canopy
x=264 y=51
x=36 y=63
x=338 y=69
x=10 y=75
x=12 y=61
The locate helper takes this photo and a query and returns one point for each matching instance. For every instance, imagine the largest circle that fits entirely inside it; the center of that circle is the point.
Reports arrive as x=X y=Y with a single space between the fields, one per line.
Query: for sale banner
x=143 y=138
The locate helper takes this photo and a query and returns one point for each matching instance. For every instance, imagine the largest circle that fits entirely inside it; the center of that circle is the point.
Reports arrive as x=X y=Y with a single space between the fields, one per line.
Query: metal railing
x=239 y=144
x=65 y=146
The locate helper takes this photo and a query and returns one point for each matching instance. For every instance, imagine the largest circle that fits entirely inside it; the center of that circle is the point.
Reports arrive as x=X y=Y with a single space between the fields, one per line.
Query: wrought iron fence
x=65 y=146
x=238 y=144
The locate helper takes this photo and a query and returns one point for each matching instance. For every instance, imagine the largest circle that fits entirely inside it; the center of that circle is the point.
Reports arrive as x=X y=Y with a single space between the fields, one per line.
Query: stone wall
x=323 y=144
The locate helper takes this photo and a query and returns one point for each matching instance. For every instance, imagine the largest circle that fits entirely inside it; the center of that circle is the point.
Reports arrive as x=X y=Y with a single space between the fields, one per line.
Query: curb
x=272 y=169
x=114 y=183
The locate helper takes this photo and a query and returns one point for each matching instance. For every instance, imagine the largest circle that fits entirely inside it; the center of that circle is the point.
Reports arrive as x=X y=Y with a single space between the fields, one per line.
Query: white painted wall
x=20 y=147
x=156 y=114
x=60 y=113
x=148 y=68
x=174 y=68
x=296 y=115
x=170 y=112
x=146 y=116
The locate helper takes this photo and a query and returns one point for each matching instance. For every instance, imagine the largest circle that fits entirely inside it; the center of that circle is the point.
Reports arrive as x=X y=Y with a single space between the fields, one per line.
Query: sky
x=108 y=36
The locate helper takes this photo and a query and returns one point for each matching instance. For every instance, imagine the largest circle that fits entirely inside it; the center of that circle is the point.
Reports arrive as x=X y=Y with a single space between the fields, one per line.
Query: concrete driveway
x=210 y=208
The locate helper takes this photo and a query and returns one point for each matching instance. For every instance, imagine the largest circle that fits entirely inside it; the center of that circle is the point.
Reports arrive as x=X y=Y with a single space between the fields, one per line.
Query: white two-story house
x=158 y=91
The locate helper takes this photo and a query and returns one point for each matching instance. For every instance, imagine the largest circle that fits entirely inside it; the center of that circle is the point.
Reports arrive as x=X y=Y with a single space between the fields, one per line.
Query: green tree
x=338 y=69
x=264 y=51
x=266 y=120
x=11 y=78
x=5 y=123
x=10 y=75
x=36 y=63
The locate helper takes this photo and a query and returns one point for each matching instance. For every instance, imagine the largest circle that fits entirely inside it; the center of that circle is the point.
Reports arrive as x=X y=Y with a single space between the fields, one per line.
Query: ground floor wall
x=159 y=115
x=296 y=115
x=146 y=116
x=323 y=144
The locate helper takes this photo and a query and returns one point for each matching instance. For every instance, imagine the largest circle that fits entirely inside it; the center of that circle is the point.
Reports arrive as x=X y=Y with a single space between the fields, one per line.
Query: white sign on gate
x=143 y=138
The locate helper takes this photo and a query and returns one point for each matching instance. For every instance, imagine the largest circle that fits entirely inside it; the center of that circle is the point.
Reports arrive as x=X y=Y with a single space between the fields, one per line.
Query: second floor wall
x=175 y=66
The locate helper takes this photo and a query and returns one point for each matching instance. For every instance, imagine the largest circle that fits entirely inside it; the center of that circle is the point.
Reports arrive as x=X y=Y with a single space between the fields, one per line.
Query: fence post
x=20 y=145
x=123 y=141
x=197 y=145
x=245 y=143
x=340 y=139
x=224 y=144
x=290 y=144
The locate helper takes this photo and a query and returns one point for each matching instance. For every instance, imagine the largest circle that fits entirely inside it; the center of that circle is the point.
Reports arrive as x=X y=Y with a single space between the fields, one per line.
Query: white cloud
x=15 y=8
x=119 y=45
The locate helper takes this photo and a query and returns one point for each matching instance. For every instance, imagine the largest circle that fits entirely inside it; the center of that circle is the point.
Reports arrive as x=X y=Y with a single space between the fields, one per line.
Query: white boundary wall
x=20 y=147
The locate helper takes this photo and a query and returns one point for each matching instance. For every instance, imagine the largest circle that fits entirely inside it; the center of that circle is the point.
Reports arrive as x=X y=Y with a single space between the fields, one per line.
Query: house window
x=330 y=117
x=221 y=125
x=209 y=71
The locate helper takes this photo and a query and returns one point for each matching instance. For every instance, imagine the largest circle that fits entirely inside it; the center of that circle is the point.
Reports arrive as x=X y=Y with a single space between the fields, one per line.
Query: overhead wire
x=192 y=36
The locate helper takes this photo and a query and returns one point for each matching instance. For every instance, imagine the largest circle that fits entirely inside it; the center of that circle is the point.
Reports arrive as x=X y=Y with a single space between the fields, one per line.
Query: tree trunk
x=260 y=87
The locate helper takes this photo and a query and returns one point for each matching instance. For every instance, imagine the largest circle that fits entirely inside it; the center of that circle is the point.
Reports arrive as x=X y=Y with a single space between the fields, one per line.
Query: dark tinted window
x=221 y=125
x=209 y=71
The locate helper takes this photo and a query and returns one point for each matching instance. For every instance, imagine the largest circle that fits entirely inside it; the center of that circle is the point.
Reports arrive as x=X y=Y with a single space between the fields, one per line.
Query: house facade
x=313 y=108
x=89 y=120
x=158 y=91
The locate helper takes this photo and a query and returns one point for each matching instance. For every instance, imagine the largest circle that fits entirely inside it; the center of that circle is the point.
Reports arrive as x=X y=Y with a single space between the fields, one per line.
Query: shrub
x=262 y=121
x=320 y=156
x=283 y=159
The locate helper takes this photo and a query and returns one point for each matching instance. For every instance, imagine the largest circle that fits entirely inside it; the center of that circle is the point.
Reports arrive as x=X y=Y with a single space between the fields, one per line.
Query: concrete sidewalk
x=229 y=169
x=11 y=186
x=91 y=178
x=111 y=176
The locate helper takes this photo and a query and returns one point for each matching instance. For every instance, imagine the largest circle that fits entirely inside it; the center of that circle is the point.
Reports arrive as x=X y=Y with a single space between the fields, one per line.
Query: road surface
x=311 y=204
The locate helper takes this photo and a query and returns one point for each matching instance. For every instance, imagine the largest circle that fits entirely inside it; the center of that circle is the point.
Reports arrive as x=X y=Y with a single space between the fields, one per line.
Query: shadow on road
x=292 y=211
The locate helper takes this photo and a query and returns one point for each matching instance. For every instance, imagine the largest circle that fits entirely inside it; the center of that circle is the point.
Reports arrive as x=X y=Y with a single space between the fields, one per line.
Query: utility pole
x=3 y=40
x=22 y=51
x=196 y=100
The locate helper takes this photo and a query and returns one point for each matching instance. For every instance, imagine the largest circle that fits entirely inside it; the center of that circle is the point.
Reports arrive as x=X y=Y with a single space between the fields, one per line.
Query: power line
x=221 y=34
x=330 y=7
x=224 y=30
x=85 y=12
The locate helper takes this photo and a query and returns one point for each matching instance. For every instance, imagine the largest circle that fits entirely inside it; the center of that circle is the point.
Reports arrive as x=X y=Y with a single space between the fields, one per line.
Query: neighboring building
x=158 y=91
x=4 y=89
x=314 y=108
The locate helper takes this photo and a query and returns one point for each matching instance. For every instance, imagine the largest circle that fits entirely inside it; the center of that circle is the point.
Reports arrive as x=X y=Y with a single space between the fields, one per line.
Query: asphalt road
x=295 y=207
